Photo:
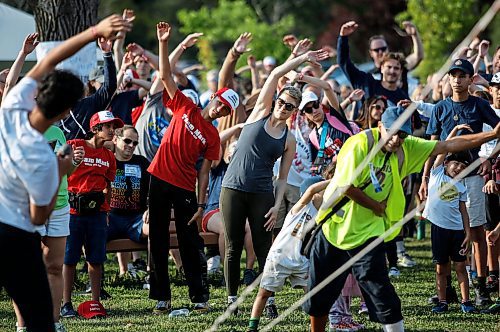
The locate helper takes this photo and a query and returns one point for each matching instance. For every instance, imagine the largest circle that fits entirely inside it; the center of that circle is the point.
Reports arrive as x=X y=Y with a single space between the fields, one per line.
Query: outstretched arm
x=265 y=99
x=163 y=32
x=417 y=56
x=227 y=70
x=128 y=14
x=189 y=41
x=30 y=42
x=107 y=28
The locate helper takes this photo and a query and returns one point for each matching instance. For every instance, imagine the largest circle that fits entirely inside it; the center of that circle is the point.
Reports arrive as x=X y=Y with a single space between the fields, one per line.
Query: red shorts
x=206 y=218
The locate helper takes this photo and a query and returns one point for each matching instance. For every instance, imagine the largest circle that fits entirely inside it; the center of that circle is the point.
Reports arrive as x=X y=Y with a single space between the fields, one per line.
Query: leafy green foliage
x=224 y=23
x=442 y=25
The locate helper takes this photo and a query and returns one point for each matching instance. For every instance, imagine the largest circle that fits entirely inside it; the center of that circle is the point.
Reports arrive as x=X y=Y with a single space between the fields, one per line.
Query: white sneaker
x=405 y=260
x=59 y=327
x=213 y=264
x=21 y=328
x=394 y=272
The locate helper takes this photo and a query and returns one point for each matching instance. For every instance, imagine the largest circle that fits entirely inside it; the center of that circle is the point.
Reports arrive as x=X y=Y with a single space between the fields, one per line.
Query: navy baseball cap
x=391 y=114
x=495 y=79
x=463 y=65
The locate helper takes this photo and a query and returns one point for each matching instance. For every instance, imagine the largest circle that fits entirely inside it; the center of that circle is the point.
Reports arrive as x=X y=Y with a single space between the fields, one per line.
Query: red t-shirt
x=188 y=137
x=94 y=173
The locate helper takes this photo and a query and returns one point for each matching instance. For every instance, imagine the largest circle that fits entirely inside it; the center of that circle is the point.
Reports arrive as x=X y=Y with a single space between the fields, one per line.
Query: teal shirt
x=55 y=137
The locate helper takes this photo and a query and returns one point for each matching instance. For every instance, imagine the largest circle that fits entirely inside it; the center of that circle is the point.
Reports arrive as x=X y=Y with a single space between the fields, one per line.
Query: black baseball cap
x=463 y=65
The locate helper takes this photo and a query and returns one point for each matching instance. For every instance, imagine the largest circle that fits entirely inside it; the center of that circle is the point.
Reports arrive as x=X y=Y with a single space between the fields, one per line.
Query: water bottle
x=421 y=228
x=179 y=313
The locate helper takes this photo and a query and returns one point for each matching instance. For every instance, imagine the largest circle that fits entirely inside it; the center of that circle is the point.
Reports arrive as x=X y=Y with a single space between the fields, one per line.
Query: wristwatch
x=202 y=205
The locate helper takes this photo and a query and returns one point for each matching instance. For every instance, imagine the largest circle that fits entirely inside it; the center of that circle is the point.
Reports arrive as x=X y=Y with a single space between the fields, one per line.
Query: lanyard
x=322 y=142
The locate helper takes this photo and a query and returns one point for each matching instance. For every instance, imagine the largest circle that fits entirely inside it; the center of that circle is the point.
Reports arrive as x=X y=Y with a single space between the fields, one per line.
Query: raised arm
x=128 y=14
x=265 y=99
x=482 y=53
x=330 y=95
x=254 y=73
x=189 y=41
x=226 y=73
x=417 y=56
x=107 y=28
x=440 y=158
x=356 y=76
x=29 y=44
x=163 y=32
x=148 y=56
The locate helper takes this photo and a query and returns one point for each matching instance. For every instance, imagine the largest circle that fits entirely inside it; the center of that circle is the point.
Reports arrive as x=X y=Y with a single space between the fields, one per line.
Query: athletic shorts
x=492 y=211
x=206 y=218
x=90 y=232
x=476 y=200
x=275 y=275
x=57 y=225
x=446 y=245
x=126 y=227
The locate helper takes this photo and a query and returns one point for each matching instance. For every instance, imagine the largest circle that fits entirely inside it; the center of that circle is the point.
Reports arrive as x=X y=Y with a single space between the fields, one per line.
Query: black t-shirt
x=129 y=190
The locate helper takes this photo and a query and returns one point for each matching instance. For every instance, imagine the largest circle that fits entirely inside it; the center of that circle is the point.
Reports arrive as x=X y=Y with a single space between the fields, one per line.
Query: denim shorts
x=126 y=227
x=88 y=231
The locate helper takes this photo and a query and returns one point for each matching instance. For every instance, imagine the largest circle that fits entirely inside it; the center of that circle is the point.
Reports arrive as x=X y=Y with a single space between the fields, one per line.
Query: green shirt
x=55 y=137
x=352 y=225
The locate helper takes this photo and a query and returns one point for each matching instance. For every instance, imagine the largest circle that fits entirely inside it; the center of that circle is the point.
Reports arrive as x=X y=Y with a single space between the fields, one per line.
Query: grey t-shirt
x=151 y=125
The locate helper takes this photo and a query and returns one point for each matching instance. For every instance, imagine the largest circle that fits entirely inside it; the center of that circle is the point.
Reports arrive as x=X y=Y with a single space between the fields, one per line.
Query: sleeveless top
x=251 y=167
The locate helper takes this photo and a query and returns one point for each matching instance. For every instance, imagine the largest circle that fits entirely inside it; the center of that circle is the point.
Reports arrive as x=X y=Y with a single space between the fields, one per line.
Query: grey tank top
x=251 y=167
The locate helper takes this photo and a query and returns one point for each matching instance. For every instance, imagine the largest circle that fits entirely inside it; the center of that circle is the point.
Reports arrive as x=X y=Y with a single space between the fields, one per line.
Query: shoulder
x=22 y=95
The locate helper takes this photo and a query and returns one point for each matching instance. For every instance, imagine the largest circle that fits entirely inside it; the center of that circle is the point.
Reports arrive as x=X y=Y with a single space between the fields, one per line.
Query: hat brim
x=452 y=68
x=117 y=121
x=94 y=315
x=306 y=101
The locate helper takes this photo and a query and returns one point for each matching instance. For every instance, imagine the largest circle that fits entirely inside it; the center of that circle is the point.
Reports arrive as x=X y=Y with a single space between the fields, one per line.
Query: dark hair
x=484 y=95
x=90 y=133
x=364 y=119
x=119 y=131
x=372 y=38
x=58 y=91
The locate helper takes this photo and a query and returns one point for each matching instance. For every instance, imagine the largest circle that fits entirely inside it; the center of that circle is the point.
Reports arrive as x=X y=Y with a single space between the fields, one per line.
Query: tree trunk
x=58 y=20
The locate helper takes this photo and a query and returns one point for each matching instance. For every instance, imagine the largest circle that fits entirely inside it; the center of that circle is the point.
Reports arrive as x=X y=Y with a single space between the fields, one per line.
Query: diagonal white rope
x=480 y=26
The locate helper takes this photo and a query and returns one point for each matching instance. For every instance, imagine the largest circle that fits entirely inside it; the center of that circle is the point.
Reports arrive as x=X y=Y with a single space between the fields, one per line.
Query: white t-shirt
x=443 y=210
x=286 y=247
x=488 y=147
x=28 y=166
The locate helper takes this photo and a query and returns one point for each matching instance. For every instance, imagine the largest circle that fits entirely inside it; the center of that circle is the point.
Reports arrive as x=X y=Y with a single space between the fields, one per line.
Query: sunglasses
x=288 y=106
x=128 y=141
x=310 y=109
x=377 y=107
x=380 y=49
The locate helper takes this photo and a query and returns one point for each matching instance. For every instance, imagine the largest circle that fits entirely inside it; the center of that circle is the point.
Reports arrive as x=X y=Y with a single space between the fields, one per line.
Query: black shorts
x=446 y=244
x=492 y=211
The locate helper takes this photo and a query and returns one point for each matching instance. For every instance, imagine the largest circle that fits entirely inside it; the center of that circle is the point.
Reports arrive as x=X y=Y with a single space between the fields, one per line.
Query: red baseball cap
x=91 y=309
x=229 y=98
x=105 y=117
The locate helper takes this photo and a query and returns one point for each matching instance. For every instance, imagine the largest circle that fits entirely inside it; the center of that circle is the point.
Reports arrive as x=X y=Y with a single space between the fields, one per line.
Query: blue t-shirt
x=443 y=209
x=474 y=111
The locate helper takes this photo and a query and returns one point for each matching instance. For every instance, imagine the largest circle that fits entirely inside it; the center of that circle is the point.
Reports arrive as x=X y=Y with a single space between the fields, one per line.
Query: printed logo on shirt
x=304 y=218
x=87 y=161
x=450 y=194
x=156 y=129
x=196 y=133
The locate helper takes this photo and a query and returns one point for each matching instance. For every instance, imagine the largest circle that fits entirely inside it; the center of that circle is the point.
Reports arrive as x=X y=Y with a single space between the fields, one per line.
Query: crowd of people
x=265 y=154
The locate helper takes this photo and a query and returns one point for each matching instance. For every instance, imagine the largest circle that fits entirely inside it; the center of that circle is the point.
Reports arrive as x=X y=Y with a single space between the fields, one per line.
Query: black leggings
x=236 y=206
x=25 y=277
x=162 y=196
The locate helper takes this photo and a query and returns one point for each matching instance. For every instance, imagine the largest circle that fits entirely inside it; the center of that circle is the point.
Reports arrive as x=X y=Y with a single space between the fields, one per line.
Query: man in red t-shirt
x=189 y=136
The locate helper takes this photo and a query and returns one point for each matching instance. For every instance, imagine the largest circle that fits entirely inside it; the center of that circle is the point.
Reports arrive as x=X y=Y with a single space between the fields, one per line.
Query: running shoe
x=59 y=327
x=482 y=297
x=201 y=308
x=162 y=307
x=493 y=309
x=405 y=260
x=394 y=272
x=271 y=311
x=467 y=307
x=492 y=284
x=249 y=276
x=67 y=310
x=363 y=309
x=342 y=326
x=440 y=308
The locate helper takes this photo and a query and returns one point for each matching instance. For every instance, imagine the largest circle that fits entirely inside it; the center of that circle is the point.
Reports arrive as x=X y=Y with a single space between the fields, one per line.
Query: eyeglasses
x=288 y=106
x=380 y=49
x=128 y=141
x=377 y=107
x=311 y=109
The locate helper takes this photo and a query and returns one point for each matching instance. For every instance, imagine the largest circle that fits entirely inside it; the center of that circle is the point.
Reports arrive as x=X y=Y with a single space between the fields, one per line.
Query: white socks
x=396 y=327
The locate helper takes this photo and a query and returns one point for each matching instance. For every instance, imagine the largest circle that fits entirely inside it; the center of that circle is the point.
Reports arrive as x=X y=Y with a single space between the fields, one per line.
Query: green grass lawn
x=130 y=309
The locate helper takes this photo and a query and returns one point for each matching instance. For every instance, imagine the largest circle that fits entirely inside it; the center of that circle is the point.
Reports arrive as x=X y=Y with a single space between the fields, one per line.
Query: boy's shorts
x=57 y=225
x=275 y=275
x=89 y=231
x=446 y=244
x=126 y=227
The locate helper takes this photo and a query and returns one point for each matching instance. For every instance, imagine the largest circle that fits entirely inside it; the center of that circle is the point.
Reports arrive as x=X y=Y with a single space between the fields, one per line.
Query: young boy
x=284 y=259
x=450 y=231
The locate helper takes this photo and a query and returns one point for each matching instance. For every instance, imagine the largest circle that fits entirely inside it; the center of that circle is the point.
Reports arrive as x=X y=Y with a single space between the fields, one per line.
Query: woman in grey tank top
x=247 y=188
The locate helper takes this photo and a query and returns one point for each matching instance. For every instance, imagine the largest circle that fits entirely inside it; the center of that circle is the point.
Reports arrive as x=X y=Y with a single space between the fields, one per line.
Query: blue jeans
x=126 y=227
x=89 y=231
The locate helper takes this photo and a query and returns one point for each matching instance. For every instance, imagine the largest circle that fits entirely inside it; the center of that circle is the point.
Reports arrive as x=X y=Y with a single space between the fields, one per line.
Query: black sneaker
x=140 y=264
x=482 y=297
x=493 y=309
x=271 y=311
x=67 y=310
x=249 y=276
x=104 y=294
x=162 y=307
x=492 y=284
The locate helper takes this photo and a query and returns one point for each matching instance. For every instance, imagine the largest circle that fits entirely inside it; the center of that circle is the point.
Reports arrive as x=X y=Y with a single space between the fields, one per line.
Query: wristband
x=75 y=163
x=202 y=206
x=235 y=51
